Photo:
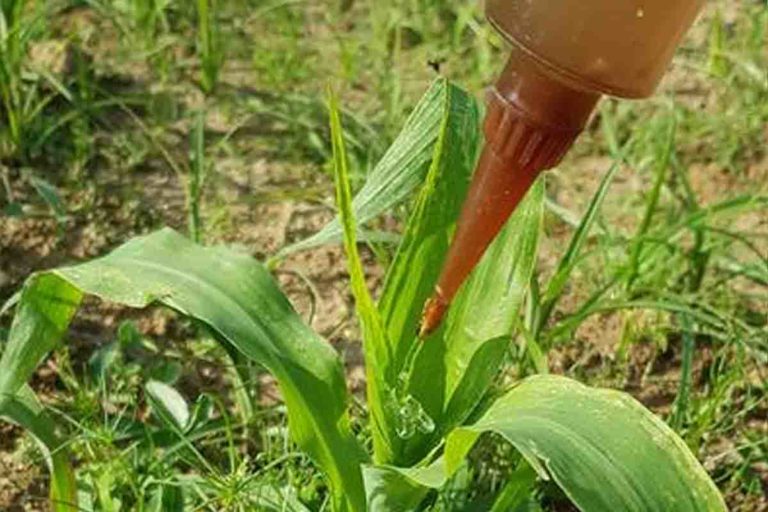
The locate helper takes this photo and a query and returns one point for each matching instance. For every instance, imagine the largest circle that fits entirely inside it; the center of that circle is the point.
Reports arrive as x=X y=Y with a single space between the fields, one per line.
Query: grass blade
x=209 y=47
x=566 y=264
x=680 y=412
x=663 y=159
x=195 y=179
x=51 y=196
x=541 y=310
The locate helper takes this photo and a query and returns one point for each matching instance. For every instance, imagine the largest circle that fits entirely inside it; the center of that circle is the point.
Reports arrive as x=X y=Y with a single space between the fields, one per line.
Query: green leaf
x=46 y=306
x=168 y=403
x=24 y=410
x=517 y=490
x=374 y=337
x=482 y=319
x=415 y=269
x=239 y=301
x=455 y=367
x=165 y=498
x=716 y=323
x=51 y=196
x=400 y=171
x=664 y=155
x=103 y=360
x=389 y=488
x=201 y=412
x=412 y=276
x=602 y=447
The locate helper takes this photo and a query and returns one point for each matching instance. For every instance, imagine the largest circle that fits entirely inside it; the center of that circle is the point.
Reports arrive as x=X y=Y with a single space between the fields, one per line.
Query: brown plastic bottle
x=565 y=55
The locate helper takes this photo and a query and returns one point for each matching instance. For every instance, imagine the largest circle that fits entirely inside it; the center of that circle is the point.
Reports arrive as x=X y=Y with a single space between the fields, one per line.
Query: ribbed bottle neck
x=533 y=118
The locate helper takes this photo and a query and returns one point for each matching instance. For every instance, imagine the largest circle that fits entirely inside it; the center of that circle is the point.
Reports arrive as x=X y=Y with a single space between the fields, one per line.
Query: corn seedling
x=425 y=400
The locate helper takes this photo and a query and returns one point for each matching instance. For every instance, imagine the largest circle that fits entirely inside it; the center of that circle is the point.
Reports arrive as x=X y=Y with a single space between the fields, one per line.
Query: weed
x=24 y=95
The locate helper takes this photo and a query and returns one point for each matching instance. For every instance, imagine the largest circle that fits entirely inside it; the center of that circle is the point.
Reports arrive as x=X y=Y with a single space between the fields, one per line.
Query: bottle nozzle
x=432 y=316
x=531 y=122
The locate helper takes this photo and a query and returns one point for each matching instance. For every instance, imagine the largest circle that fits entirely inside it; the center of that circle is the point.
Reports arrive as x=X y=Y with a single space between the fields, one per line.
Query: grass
x=661 y=293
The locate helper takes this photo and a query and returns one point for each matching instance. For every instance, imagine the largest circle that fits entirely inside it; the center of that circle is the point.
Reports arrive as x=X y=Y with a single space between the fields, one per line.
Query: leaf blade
x=483 y=318
x=416 y=266
x=168 y=403
x=237 y=298
x=400 y=171
x=376 y=347
x=415 y=269
x=24 y=410
x=603 y=448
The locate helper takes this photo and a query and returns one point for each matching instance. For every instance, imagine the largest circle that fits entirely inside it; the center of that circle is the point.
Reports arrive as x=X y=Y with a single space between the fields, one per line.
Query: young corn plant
x=428 y=401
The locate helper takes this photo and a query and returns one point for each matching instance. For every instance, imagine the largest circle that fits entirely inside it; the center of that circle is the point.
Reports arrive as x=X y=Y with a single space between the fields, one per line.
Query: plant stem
x=196 y=178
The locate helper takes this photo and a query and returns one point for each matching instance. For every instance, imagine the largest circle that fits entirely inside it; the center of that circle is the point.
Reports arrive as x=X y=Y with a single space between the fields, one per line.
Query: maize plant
x=428 y=401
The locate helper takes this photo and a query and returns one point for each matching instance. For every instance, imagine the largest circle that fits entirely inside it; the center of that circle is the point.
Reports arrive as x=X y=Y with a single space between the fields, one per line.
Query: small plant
x=14 y=39
x=34 y=86
x=23 y=93
x=428 y=402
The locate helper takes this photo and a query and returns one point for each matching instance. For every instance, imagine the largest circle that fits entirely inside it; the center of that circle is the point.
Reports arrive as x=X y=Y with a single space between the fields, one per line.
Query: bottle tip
x=432 y=316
